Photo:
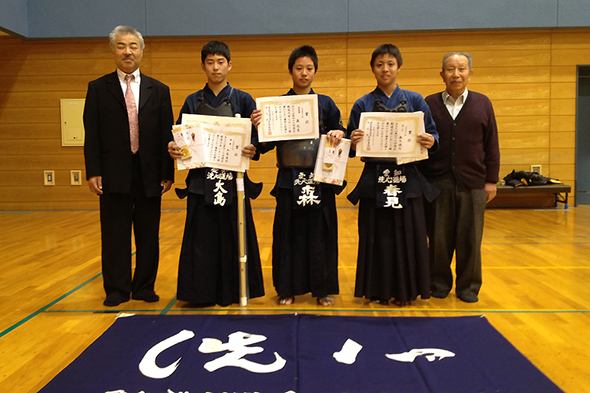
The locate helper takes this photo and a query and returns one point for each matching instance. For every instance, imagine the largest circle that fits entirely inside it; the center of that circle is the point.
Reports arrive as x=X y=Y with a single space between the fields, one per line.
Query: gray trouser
x=455 y=224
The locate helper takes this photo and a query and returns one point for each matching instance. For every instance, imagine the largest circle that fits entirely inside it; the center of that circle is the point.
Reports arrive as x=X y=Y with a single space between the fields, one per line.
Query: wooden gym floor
x=536 y=289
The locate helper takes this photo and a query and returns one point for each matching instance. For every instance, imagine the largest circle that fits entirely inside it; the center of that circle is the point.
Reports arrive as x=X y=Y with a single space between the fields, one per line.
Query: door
x=583 y=136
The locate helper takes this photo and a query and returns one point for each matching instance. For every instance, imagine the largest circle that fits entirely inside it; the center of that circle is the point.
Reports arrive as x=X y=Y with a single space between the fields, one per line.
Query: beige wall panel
x=51 y=67
x=37 y=147
x=565 y=57
x=518 y=156
x=14 y=162
x=511 y=140
x=34 y=177
x=41 y=84
x=562 y=155
x=563 y=139
x=64 y=49
x=63 y=193
x=531 y=124
x=514 y=91
x=447 y=42
x=563 y=123
x=563 y=74
x=571 y=39
x=563 y=90
x=15 y=131
x=25 y=115
x=564 y=172
x=31 y=99
x=509 y=107
x=563 y=107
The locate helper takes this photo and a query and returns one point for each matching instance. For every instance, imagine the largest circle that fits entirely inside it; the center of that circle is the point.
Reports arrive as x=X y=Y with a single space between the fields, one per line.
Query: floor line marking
x=44 y=309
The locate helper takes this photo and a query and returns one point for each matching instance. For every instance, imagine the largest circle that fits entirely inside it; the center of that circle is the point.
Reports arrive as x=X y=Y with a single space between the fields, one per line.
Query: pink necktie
x=132 y=114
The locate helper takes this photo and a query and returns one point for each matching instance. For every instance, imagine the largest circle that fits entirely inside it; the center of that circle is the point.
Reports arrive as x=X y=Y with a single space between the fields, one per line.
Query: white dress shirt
x=454 y=106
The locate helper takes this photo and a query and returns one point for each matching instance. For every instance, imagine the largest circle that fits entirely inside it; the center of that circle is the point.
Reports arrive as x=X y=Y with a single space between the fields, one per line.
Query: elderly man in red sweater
x=465 y=169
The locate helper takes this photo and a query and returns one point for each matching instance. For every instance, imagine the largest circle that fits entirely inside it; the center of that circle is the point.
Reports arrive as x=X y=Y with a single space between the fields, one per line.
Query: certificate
x=392 y=135
x=288 y=117
x=330 y=165
x=213 y=141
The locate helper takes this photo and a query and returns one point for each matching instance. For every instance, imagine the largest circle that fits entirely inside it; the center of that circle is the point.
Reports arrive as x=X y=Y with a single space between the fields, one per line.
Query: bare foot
x=286 y=300
x=326 y=301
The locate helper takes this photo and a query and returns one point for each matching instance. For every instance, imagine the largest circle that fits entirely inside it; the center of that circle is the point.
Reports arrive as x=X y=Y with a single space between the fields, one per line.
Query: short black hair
x=387 y=49
x=215 y=48
x=303 y=51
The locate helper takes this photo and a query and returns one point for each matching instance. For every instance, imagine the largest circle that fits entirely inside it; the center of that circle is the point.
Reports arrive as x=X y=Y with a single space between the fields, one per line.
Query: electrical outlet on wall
x=536 y=168
x=49 y=178
x=76 y=178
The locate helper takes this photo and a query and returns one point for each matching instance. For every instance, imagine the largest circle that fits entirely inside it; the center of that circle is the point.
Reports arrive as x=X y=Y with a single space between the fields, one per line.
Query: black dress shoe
x=114 y=300
x=149 y=297
x=440 y=294
x=469 y=298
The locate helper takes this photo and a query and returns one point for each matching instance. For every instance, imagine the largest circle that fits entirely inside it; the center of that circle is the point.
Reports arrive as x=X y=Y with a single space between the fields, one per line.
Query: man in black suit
x=127 y=120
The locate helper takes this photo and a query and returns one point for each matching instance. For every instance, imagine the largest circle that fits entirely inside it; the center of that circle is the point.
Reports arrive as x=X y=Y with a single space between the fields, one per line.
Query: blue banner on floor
x=300 y=354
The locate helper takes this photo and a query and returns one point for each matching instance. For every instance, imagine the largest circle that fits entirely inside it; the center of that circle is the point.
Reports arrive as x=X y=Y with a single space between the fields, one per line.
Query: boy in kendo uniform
x=393 y=251
x=208 y=271
x=305 y=230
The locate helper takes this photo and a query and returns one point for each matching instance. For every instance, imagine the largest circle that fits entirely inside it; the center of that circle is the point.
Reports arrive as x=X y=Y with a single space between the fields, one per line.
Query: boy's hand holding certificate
x=392 y=135
x=212 y=141
x=330 y=165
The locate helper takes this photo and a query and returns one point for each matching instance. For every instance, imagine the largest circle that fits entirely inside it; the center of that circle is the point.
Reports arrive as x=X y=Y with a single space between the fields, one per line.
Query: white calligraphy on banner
x=237 y=346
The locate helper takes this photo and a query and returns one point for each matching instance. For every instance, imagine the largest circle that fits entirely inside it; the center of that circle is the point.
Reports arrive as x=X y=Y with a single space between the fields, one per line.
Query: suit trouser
x=455 y=224
x=118 y=214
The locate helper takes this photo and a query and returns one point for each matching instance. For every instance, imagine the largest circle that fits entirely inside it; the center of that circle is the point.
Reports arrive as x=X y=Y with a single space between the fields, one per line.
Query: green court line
x=44 y=309
x=169 y=306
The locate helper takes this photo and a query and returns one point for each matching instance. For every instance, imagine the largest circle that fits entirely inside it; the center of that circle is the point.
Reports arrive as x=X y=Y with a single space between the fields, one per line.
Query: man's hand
x=166 y=185
x=173 y=150
x=95 y=184
x=490 y=191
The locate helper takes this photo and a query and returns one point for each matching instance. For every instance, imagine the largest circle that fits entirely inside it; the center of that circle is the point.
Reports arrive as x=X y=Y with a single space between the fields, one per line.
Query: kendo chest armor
x=224 y=109
x=379 y=106
x=299 y=153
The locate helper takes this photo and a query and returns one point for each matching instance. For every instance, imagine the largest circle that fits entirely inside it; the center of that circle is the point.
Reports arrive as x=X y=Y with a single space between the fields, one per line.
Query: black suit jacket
x=107 y=150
